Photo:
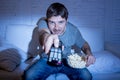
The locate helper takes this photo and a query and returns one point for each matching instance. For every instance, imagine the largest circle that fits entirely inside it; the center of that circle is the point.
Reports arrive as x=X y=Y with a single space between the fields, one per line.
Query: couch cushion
x=24 y=37
x=1 y=40
x=113 y=47
x=94 y=36
x=19 y=35
x=106 y=62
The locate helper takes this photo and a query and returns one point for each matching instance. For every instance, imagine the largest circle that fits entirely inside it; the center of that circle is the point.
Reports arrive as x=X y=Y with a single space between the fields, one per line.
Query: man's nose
x=56 y=26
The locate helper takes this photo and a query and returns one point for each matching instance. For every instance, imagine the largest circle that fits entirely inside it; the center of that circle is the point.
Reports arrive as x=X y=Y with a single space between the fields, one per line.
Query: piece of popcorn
x=76 y=61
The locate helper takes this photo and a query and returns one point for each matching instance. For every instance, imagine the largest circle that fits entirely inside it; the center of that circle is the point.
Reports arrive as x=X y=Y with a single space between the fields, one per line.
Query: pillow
x=7 y=45
x=106 y=62
x=9 y=59
x=94 y=36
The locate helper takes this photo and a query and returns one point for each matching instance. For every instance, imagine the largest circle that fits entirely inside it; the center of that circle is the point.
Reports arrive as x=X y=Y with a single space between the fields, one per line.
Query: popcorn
x=76 y=61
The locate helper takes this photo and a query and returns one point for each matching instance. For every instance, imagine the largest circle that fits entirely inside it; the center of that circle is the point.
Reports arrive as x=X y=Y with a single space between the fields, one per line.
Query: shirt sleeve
x=42 y=23
x=79 y=39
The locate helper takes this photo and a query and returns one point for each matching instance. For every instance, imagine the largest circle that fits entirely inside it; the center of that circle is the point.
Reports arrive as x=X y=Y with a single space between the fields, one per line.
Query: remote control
x=55 y=55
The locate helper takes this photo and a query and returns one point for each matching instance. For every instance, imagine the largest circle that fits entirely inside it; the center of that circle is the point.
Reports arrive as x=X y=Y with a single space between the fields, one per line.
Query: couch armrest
x=114 y=48
x=31 y=61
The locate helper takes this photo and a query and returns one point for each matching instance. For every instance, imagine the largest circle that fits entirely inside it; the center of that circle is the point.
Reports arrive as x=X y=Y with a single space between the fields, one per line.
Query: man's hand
x=90 y=59
x=50 y=40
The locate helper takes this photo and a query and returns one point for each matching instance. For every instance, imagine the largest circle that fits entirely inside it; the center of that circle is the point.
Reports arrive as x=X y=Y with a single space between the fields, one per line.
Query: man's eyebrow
x=61 y=20
x=58 y=21
x=50 y=21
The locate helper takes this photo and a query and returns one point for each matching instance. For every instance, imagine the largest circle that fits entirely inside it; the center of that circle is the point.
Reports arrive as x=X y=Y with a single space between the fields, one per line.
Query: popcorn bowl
x=76 y=61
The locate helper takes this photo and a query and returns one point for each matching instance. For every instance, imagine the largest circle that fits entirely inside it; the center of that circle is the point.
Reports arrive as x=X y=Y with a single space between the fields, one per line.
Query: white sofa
x=14 y=51
x=22 y=41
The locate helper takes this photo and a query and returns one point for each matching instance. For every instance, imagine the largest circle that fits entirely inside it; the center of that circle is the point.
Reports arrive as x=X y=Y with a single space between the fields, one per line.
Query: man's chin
x=58 y=33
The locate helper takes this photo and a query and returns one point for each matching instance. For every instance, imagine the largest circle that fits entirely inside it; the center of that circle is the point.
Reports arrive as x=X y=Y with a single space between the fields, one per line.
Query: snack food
x=76 y=61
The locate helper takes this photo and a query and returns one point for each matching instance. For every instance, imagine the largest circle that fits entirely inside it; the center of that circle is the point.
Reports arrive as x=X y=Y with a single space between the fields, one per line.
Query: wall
x=82 y=13
x=112 y=21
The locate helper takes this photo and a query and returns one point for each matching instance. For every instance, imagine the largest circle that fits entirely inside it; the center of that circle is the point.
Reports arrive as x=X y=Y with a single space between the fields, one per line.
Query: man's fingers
x=90 y=60
x=56 y=42
x=47 y=49
x=48 y=44
x=43 y=47
x=52 y=39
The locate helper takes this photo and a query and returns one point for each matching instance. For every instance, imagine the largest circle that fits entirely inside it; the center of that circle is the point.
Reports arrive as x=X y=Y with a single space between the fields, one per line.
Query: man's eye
x=61 y=22
x=50 y=22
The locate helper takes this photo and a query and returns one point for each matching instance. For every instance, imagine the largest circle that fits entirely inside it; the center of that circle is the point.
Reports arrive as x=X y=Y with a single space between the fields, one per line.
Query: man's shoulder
x=41 y=20
x=42 y=23
x=71 y=26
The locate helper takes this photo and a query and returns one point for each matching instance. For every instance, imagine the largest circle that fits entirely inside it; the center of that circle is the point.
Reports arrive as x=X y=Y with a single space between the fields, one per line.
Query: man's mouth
x=57 y=32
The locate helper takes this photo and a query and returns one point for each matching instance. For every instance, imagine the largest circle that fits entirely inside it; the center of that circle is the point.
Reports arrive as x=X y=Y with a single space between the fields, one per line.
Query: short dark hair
x=57 y=9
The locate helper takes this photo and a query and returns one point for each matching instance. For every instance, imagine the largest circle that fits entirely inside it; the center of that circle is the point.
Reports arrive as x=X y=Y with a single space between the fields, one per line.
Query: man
x=55 y=28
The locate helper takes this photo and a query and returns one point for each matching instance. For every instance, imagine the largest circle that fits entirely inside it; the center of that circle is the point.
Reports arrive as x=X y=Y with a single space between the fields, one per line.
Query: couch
x=20 y=49
x=14 y=51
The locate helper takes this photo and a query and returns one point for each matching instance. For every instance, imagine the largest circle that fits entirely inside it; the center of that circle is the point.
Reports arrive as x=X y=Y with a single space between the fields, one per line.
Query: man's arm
x=47 y=39
x=89 y=57
x=86 y=49
x=43 y=34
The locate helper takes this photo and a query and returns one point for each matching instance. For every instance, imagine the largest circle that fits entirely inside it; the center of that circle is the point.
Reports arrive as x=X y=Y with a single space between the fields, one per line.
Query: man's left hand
x=90 y=59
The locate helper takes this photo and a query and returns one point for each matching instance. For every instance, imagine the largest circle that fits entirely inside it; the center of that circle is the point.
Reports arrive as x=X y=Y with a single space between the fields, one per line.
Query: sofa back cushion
x=26 y=37
x=19 y=35
x=94 y=36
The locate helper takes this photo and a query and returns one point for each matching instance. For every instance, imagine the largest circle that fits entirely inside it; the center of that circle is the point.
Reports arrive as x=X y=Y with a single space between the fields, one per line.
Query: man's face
x=57 y=25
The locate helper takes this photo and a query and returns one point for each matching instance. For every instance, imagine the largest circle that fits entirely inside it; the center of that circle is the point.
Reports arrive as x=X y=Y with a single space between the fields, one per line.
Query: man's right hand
x=51 y=39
